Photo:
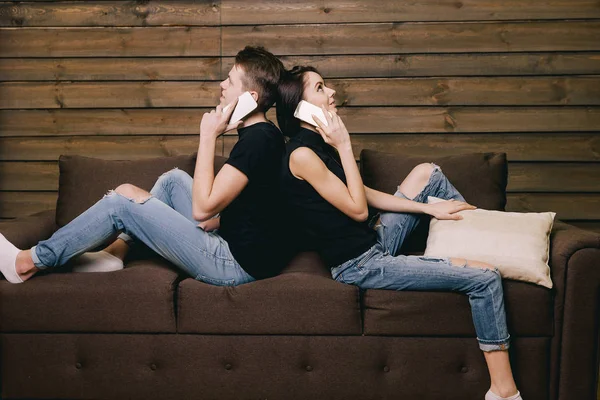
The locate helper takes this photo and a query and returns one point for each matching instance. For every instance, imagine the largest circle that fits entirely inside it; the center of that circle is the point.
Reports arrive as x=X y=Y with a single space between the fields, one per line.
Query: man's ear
x=254 y=95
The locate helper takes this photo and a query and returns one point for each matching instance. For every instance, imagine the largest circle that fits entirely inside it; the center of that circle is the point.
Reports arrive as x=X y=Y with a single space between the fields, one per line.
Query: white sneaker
x=8 y=258
x=99 y=261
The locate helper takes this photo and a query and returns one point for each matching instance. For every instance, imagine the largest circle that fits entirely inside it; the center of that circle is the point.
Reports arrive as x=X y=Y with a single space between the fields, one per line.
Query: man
x=244 y=192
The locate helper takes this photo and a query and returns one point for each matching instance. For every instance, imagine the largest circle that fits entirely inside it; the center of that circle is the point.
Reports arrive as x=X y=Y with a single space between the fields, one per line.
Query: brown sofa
x=150 y=332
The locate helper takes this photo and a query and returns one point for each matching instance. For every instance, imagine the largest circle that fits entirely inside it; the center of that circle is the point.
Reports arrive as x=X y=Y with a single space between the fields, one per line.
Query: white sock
x=100 y=261
x=493 y=396
x=8 y=258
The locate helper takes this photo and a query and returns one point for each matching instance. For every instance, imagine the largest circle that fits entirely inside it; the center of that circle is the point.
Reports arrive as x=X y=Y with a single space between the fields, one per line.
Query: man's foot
x=99 y=261
x=493 y=396
x=8 y=258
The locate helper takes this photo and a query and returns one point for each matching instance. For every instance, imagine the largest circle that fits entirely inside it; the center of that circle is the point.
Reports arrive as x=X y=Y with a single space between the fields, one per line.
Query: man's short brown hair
x=262 y=73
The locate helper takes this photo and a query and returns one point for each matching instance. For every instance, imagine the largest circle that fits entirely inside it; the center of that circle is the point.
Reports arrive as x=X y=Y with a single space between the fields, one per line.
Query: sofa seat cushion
x=302 y=301
x=138 y=298
x=529 y=310
x=480 y=177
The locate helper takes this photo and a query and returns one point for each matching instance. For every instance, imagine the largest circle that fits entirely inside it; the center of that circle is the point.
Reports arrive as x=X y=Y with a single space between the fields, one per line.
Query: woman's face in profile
x=317 y=93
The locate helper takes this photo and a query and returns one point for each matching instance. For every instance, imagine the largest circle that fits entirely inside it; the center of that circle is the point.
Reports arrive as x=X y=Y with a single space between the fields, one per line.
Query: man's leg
x=173 y=188
x=203 y=255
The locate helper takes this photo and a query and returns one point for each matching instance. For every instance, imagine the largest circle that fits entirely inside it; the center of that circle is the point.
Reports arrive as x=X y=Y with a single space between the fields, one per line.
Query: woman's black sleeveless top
x=315 y=223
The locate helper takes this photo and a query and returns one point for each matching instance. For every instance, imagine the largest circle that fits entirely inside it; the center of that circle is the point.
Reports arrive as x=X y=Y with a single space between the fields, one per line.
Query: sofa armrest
x=25 y=232
x=575 y=266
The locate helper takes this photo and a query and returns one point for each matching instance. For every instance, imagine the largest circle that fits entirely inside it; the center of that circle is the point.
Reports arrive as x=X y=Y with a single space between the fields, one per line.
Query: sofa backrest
x=480 y=177
x=84 y=180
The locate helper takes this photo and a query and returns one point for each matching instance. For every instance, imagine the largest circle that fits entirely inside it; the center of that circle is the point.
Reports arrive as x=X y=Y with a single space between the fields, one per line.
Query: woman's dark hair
x=290 y=94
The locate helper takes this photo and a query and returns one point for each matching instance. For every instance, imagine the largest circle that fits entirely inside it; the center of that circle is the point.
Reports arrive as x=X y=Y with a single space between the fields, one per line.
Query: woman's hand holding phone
x=335 y=132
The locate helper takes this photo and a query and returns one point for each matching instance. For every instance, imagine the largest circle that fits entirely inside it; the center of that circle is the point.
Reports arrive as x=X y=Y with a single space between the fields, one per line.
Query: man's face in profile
x=232 y=87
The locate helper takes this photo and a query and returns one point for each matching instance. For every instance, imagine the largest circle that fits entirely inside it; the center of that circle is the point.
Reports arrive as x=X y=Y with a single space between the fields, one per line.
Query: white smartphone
x=245 y=106
x=306 y=110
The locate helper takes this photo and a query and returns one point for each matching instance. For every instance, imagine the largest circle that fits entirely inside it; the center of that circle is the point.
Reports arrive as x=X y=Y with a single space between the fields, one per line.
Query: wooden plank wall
x=131 y=79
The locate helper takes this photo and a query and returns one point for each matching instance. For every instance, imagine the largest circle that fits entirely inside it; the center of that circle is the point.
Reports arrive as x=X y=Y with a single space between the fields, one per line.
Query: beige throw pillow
x=518 y=244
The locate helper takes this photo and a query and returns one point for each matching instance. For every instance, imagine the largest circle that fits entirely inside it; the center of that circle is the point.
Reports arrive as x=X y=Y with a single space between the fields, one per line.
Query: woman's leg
x=378 y=270
x=424 y=180
x=203 y=255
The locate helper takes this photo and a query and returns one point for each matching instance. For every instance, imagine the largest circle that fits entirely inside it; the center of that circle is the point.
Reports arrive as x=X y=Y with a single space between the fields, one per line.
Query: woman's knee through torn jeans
x=381 y=267
x=163 y=222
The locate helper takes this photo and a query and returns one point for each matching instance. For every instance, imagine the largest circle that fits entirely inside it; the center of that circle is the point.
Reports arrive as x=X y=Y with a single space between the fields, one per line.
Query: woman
x=322 y=182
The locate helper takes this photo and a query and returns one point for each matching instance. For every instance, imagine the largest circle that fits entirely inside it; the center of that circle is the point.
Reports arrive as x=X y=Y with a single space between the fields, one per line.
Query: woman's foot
x=493 y=396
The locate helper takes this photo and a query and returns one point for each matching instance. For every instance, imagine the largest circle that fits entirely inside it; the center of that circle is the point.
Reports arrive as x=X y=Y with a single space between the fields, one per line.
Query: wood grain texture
x=588 y=205
x=243 y=12
x=473 y=37
x=131 y=79
x=398 y=65
x=17 y=95
x=21 y=204
x=110 y=13
x=554 y=177
x=342 y=66
x=364 y=120
x=112 y=69
x=519 y=147
x=110 y=42
x=107 y=147
x=479 y=91
x=313 y=11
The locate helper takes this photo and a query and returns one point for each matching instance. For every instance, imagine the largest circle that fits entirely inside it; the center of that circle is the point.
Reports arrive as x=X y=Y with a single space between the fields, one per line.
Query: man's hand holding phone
x=216 y=122
x=222 y=120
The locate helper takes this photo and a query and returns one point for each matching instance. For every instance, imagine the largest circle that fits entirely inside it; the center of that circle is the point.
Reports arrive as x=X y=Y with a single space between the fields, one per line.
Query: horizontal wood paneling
x=538 y=147
x=519 y=147
x=301 y=39
x=108 y=94
x=125 y=69
x=341 y=66
x=314 y=11
x=512 y=91
x=107 y=147
x=21 y=204
x=29 y=176
x=588 y=205
x=232 y=12
x=554 y=177
x=522 y=177
x=110 y=42
x=415 y=37
x=110 y=13
x=480 y=91
x=179 y=121
x=128 y=80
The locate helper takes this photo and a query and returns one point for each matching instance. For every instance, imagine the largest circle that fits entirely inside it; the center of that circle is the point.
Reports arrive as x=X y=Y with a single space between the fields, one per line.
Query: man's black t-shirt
x=248 y=224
